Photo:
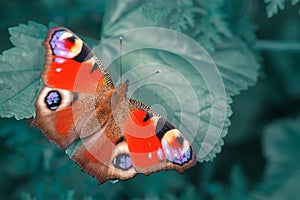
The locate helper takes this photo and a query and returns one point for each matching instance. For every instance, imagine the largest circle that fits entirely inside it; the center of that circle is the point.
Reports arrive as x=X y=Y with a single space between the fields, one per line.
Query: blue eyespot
x=122 y=161
x=53 y=100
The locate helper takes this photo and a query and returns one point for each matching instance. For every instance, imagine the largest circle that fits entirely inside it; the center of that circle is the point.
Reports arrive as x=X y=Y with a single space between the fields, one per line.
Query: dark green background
x=260 y=157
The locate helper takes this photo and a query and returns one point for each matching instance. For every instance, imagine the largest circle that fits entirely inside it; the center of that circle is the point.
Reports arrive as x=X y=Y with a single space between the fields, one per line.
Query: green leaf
x=183 y=18
x=20 y=69
x=281 y=149
x=241 y=24
x=213 y=27
x=273 y=6
x=236 y=63
x=247 y=31
x=294 y=2
x=182 y=15
x=178 y=15
x=152 y=9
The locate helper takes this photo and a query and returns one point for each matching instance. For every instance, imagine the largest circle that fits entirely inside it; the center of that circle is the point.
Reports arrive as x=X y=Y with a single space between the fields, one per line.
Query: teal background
x=260 y=157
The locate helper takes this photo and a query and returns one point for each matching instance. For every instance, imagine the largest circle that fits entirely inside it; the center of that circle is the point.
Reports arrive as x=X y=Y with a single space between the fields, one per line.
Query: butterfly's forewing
x=154 y=143
x=72 y=76
x=71 y=65
x=74 y=107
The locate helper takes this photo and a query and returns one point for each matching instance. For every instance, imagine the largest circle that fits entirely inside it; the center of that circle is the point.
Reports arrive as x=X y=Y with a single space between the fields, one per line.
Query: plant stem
x=270 y=45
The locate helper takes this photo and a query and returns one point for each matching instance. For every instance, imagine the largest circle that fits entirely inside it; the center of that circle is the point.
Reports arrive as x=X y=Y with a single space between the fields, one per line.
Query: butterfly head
x=123 y=88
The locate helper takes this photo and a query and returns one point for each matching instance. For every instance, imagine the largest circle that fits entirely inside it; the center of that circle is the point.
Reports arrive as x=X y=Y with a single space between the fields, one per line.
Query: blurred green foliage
x=259 y=158
x=273 y=6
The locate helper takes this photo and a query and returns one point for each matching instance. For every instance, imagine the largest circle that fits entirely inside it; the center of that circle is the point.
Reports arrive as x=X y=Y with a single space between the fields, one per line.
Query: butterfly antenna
x=149 y=75
x=121 y=60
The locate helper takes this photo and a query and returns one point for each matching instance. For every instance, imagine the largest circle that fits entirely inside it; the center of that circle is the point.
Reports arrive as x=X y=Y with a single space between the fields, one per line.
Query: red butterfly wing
x=105 y=155
x=71 y=65
x=154 y=143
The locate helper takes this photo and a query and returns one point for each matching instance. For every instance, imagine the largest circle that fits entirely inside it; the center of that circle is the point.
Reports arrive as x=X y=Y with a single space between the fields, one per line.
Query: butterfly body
x=116 y=137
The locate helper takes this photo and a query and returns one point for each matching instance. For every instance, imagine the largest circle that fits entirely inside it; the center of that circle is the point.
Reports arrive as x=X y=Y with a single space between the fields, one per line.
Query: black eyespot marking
x=122 y=161
x=121 y=139
x=95 y=67
x=53 y=100
x=84 y=54
x=75 y=97
x=72 y=39
x=147 y=117
x=162 y=127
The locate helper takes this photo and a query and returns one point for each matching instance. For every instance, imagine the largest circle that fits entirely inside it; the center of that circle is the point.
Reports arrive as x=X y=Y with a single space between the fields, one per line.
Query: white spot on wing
x=160 y=154
x=60 y=60
x=65 y=35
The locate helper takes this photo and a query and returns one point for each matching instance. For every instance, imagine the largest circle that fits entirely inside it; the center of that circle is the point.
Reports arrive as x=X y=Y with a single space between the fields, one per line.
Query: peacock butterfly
x=115 y=137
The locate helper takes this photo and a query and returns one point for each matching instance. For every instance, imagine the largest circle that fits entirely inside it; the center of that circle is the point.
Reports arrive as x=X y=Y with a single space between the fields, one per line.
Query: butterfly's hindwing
x=154 y=143
x=54 y=116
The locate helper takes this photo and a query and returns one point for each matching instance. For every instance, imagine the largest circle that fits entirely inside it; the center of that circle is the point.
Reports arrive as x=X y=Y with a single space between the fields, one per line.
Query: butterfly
x=111 y=136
